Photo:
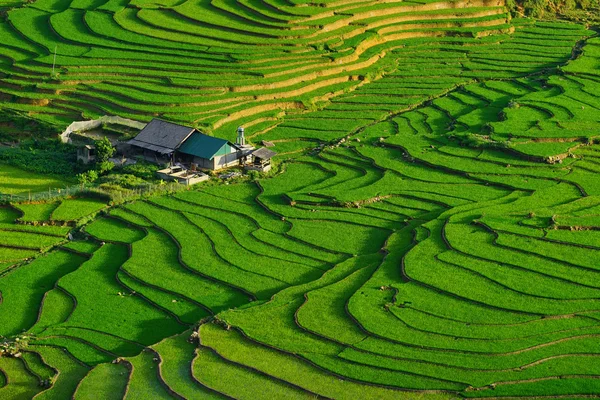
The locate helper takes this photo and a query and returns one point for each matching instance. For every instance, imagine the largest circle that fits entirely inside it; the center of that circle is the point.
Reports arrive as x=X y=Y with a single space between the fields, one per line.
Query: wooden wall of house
x=203 y=163
x=218 y=162
x=227 y=160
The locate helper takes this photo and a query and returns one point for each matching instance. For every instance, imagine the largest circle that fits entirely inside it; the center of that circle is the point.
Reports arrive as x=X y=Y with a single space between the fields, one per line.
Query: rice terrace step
x=281 y=199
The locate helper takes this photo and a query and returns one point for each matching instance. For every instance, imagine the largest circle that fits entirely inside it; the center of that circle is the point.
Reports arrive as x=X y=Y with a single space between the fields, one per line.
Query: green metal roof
x=204 y=146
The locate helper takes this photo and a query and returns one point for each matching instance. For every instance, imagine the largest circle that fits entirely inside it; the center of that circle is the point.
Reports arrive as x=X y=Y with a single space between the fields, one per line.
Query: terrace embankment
x=420 y=248
x=106 y=55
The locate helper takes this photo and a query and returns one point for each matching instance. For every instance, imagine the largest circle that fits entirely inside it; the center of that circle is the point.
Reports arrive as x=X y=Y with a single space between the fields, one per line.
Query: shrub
x=142 y=170
x=127 y=181
x=254 y=175
x=104 y=166
x=537 y=8
x=87 y=177
x=23 y=123
x=104 y=150
x=46 y=157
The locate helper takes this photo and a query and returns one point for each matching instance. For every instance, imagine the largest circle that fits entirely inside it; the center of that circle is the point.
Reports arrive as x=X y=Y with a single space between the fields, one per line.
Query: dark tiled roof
x=263 y=153
x=161 y=136
x=151 y=147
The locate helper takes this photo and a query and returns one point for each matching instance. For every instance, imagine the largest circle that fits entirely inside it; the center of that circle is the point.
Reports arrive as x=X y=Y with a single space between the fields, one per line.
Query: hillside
x=430 y=230
x=210 y=63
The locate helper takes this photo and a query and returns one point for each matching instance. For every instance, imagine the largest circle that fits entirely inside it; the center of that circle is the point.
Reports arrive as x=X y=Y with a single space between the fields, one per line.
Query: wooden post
x=54 y=61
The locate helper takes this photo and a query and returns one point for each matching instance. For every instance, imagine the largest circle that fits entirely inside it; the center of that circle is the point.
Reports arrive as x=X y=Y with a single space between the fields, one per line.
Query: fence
x=126 y=194
x=51 y=193
x=81 y=126
x=148 y=189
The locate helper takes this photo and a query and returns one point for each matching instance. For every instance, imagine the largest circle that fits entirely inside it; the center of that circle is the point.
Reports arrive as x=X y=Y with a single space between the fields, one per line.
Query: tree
x=87 y=177
x=104 y=166
x=537 y=8
x=104 y=150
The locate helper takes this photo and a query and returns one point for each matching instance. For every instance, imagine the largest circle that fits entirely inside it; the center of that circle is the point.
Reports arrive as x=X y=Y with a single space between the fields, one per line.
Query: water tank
x=241 y=140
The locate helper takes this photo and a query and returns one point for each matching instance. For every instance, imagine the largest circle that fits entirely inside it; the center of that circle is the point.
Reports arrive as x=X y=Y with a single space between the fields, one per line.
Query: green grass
x=184 y=308
x=198 y=253
x=431 y=233
x=243 y=230
x=28 y=240
x=352 y=239
x=154 y=261
x=82 y=246
x=144 y=381
x=113 y=230
x=323 y=310
x=234 y=347
x=215 y=372
x=74 y=209
x=177 y=365
x=37 y=366
x=56 y=308
x=129 y=217
x=81 y=351
x=24 y=287
x=136 y=314
x=70 y=372
x=575 y=385
x=23 y=384
x=15 y=181
x=36 y=212
x=8 y=215
x=106 y=380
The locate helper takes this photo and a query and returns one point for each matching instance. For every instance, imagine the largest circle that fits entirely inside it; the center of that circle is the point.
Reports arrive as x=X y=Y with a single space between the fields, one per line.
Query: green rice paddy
x=15 y=181
x=432 y=232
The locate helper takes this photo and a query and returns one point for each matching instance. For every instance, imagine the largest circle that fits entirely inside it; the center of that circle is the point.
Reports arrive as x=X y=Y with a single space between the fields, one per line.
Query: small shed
x=86 y=154
x=210 y=152
x=261 y=160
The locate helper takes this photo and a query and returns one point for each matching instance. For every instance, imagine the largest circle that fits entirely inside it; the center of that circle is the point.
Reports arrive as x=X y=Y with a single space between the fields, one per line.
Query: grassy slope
x=436 y=251
x=16 y=181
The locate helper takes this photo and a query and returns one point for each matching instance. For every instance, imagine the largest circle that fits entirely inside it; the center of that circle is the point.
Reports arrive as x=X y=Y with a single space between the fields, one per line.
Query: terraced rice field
x=16 y=181
x=433 y=232
x=218 y=64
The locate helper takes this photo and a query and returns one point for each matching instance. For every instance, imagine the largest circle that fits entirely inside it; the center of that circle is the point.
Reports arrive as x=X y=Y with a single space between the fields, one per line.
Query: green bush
x=254 y=175
x=104 y=166
x=142 y=170
x=87 y=177
x=104 y=150
x=26 y=126
x=537 y=8
x=127 y=181
x=46 y=157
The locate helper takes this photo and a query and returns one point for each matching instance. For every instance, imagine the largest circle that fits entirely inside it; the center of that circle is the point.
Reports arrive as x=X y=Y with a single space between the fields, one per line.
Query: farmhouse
x=209 y=152
x=167 y=143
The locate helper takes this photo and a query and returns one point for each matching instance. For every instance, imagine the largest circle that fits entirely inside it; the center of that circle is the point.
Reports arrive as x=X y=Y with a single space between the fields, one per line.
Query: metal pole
x=54 y=62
